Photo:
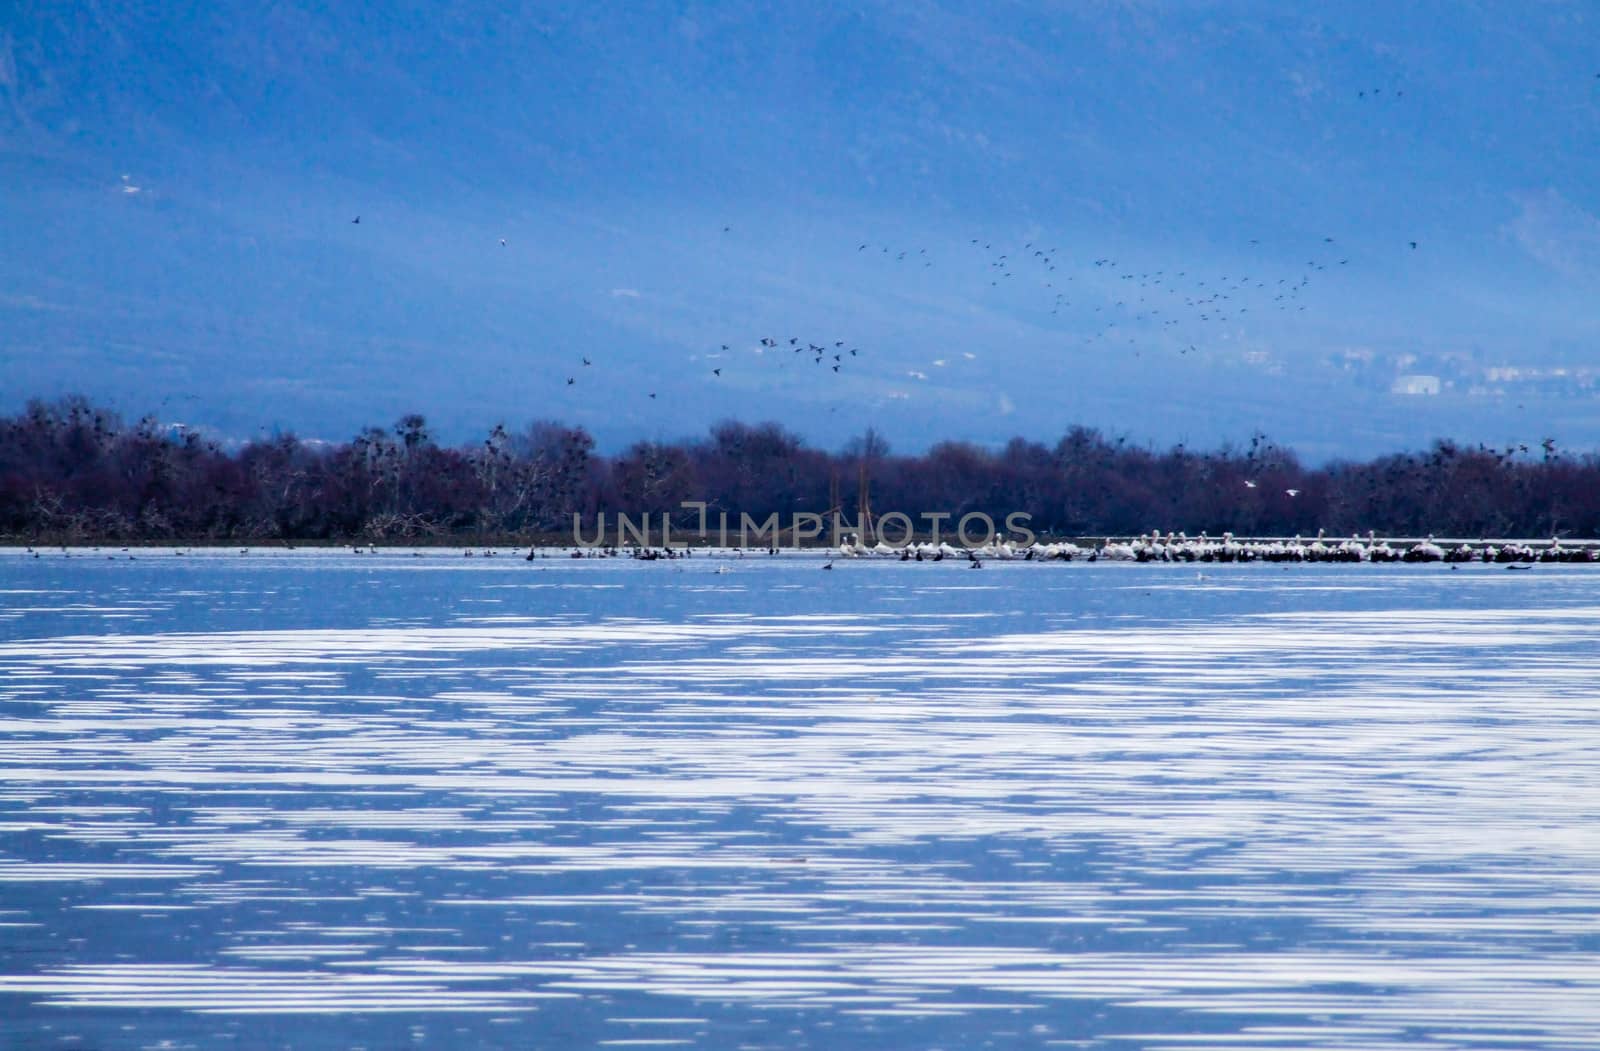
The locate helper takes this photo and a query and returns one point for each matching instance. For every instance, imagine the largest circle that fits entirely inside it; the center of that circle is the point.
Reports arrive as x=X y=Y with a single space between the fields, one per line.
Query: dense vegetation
x=72 y=471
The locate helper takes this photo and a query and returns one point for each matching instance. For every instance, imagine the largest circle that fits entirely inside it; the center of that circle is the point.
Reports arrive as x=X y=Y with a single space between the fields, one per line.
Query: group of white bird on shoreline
x=1180 y=547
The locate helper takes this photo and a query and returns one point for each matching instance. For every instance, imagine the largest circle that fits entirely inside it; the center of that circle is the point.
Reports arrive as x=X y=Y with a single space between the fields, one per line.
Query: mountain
x=1228 y=194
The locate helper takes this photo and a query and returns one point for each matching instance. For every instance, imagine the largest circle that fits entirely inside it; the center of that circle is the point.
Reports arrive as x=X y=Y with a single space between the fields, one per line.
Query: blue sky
x=177 y=185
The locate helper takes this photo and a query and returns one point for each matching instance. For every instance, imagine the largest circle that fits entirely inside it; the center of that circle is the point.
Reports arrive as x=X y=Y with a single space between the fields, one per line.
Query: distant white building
x=1415 y=383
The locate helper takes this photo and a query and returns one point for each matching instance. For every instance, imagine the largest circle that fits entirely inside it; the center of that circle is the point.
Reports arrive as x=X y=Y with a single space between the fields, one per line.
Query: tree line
x=73 y=471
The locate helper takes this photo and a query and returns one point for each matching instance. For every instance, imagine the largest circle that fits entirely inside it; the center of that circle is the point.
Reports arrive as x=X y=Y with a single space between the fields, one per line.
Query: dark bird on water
x=357 y=219
x=586 y=362
x=1413 y=244
x=716 y=372
x=570 y=381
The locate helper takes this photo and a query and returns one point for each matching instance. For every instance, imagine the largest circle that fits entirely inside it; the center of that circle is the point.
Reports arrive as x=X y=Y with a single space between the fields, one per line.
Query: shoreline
x=1146 y=549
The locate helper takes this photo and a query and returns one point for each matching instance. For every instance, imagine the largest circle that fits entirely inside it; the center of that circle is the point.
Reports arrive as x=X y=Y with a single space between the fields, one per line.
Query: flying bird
x=570 y=381
x=716 y=372
x=587 y=362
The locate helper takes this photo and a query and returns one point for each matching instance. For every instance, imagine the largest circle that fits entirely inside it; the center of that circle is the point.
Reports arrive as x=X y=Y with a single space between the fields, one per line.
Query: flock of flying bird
x=1111 y=300
x=1147 y=295
x=1115 y=302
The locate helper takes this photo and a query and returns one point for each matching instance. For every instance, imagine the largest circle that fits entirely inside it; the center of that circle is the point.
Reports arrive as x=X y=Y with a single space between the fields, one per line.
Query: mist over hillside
x=1357 y=231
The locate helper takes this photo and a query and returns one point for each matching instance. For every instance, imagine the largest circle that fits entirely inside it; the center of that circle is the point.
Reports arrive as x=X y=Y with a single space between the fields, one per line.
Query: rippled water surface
x=322 y=800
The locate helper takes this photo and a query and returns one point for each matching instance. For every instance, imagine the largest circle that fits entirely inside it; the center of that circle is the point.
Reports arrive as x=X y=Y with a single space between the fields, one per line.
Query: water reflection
x=400 y=801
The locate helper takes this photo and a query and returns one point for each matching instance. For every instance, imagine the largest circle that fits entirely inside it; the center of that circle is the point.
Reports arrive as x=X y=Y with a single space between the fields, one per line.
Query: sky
x=1172 y=222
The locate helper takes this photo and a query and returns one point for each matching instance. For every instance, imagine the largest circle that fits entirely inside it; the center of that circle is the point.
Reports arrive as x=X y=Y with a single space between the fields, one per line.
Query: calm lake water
x=325 y=800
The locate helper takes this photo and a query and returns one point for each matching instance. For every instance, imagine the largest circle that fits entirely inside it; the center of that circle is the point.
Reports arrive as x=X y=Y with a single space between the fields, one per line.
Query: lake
x=315 y=799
